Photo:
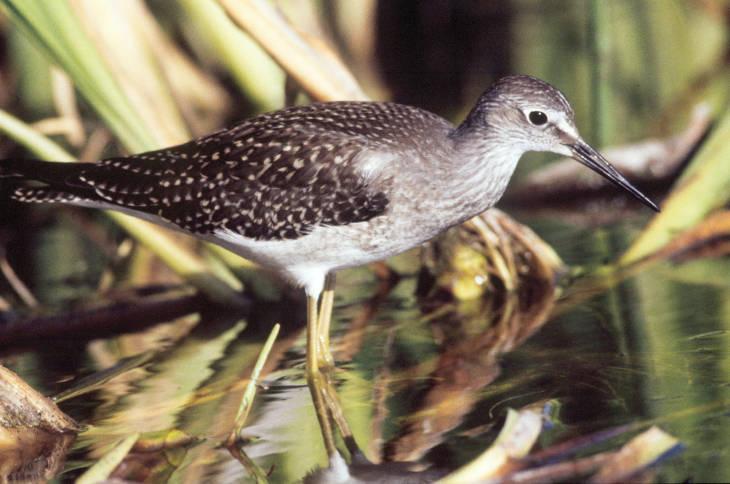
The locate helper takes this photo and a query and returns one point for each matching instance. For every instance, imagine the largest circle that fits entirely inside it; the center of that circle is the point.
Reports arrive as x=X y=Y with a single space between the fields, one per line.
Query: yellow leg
x=332 y=401
x=315 y=379
x=327 y=362
x=325 y=318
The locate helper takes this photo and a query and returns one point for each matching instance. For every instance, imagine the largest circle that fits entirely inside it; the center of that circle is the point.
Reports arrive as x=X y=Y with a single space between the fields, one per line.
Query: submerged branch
x=118 y=317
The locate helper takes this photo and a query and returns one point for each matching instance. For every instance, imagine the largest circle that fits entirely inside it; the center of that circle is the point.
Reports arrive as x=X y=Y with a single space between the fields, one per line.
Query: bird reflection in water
x=471 y=335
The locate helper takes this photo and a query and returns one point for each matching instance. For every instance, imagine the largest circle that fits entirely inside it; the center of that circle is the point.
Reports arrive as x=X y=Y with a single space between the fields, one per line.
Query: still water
x=419 y=380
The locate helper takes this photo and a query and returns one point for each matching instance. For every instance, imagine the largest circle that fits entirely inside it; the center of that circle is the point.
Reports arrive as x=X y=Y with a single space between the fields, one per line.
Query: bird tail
x=57 y=182
x=49 y=172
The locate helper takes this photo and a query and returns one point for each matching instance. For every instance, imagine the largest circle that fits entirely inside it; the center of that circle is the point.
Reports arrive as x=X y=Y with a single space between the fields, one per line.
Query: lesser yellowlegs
x=308 y=190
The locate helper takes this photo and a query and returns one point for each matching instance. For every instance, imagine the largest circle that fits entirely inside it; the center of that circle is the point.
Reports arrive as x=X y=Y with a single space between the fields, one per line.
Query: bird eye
x=538 y=118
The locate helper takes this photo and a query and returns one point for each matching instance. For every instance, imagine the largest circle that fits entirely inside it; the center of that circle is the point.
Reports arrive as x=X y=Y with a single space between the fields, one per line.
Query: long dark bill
x=591 y=158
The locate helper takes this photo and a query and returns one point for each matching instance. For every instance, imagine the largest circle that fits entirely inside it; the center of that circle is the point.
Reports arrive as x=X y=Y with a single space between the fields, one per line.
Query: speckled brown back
x=275 y=176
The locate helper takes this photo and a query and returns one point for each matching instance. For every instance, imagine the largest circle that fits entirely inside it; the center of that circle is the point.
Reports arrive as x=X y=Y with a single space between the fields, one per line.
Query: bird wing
x=266 y=179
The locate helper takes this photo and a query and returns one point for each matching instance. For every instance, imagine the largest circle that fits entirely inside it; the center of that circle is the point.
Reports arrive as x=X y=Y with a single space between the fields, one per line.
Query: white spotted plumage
x=313 y=189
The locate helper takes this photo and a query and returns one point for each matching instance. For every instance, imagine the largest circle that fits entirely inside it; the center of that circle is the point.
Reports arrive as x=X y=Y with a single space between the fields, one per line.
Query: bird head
x=537 y=117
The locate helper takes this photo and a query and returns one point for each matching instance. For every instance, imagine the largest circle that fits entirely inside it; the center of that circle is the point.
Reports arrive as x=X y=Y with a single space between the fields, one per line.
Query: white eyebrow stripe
x=566 y=127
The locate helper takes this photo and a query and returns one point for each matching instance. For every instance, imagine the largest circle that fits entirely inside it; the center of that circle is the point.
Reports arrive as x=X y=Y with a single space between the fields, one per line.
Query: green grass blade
x=244 y=409
x=313 y=66
x=256 y=74
x=104 y=467
x=250 y=393
x=60 y=34
x=704 y=187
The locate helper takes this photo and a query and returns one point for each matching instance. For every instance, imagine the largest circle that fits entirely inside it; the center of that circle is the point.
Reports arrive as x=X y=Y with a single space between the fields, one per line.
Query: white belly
x=324 y=250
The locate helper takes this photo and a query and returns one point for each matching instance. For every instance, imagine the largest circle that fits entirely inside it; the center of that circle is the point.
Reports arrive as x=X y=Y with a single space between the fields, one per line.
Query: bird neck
x=484 y=162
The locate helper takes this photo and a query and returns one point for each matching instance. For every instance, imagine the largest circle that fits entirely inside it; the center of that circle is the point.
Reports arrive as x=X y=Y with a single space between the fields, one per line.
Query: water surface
x=418 y=380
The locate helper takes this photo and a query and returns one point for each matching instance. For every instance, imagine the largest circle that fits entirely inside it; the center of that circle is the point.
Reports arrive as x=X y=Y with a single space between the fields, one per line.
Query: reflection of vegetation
x=684 y=340
x=471 y=337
